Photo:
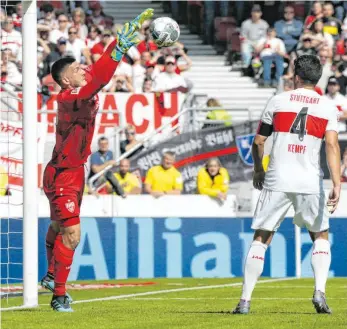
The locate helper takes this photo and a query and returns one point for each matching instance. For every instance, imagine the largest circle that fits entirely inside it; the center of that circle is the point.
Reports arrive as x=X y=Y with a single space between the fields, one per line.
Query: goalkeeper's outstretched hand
x=128 y=36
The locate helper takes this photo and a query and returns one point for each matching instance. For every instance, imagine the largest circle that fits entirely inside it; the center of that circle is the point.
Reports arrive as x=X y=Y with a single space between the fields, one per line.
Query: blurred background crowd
x=261 y=39
x=82 y=30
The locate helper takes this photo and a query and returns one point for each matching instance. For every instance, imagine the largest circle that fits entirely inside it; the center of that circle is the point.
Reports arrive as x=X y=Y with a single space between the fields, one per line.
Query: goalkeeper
x=63 y=180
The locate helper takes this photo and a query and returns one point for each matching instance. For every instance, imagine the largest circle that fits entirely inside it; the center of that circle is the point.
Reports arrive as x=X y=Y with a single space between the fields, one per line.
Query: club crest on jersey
x=244 y=146
x=70 y=206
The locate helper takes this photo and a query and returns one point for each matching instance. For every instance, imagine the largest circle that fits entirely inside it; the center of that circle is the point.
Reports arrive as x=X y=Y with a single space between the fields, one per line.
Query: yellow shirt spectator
x=164 y=180
x=3 y=181
x=128 y=182
x=212 y=186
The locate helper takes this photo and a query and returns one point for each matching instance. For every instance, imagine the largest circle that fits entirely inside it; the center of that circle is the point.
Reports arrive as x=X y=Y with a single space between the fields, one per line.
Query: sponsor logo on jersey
x=244 y=146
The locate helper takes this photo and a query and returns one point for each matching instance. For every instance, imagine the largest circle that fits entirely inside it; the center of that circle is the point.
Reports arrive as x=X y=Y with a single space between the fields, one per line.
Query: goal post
x=30 y=174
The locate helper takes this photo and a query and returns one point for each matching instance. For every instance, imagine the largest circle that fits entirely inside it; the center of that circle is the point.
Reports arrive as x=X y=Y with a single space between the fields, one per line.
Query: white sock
x=253 y=268
x=320 y=261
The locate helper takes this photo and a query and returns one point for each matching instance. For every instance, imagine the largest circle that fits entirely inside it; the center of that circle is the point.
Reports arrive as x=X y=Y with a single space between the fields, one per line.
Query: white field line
x=227 y=298
x=156 y=292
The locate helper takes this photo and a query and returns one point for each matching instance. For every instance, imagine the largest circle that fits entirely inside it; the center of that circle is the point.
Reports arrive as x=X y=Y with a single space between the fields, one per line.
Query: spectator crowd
x=273 y=49
x=82 y=30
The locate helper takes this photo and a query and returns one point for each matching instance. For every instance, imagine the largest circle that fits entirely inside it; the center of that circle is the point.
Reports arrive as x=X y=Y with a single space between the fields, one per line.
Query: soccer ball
x=165 y=31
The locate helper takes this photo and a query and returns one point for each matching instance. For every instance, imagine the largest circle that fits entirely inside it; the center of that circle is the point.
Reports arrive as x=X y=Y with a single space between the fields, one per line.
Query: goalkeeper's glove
x=128 y=36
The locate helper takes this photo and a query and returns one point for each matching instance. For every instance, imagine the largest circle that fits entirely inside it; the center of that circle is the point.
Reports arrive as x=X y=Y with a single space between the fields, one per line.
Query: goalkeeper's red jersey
x=77 y=109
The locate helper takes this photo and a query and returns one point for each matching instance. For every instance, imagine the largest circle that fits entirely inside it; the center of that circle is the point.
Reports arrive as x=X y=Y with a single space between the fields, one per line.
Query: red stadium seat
x=233 y=45
x=221 y=26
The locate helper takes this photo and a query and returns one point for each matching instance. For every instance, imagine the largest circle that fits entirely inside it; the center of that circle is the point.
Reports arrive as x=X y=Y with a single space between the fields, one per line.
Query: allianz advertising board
x=170 y=247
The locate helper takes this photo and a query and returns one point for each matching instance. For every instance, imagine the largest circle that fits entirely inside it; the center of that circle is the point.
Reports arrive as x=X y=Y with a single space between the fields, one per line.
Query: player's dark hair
x=59 y=66
x=308 y=68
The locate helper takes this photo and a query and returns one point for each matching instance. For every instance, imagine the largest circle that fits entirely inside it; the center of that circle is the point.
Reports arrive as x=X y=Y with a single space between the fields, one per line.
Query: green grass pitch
x=278 y=305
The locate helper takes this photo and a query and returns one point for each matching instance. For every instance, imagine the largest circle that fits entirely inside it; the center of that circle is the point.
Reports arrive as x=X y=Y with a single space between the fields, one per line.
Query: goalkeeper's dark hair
x=59 y=66
x=308 y=68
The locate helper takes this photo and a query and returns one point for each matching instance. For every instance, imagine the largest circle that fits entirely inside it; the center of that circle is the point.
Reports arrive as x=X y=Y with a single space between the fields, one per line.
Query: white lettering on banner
x=278 y=250
x=190 y=146
x=219 y=138
x=306 y=268
x=173 y=248
x=121 y=252
x=220 y=255
x=95 y=259
x=141 y=110
x=150 y=160
x=145 y=247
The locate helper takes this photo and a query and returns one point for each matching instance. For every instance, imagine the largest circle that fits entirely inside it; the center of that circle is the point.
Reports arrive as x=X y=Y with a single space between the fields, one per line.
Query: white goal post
x=30 y=179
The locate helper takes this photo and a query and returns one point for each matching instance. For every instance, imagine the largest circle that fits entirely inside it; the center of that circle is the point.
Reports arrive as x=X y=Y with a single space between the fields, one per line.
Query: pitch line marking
x=150 y=293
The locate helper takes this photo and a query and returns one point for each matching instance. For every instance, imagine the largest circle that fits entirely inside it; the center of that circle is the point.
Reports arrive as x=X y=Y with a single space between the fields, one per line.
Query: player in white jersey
x=298 y=120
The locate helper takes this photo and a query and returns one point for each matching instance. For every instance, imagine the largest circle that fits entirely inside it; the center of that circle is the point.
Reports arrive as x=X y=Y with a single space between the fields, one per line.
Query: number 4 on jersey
x=299 y=124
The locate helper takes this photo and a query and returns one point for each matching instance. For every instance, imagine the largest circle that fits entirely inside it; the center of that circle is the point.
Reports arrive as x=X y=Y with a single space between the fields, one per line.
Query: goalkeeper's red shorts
x=64 y=189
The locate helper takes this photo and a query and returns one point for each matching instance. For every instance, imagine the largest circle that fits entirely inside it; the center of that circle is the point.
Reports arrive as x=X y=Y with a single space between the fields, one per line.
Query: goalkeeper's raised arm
x=85 y=83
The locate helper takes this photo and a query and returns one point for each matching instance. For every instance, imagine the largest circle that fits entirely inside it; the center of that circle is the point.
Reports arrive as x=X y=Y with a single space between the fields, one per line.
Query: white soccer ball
x=165 y=31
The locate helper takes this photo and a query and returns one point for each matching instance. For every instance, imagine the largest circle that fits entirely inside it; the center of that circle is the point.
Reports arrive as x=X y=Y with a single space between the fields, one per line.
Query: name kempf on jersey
x=299 y=120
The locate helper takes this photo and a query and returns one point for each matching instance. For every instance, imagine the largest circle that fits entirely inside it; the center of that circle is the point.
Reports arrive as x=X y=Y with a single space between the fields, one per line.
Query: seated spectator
x=305 y=47
x=320 y=38
x=11 y=39
x=102 y=158
x=118 y=83
x=252 y=30
x=213 y=180
x=152 y=71
x=271 y=50
x=130 y=141
x=61 y=31
x=181 y=54
x=147 y=44
x=78 y=47
x=49 y=17
x=332 y=25
x=289 y=29
x=127 y=180
x=339 y=68
x=4 y=187
x=97 y=17
x=165 y=178
x=17 y=16
x=93 y=38
x=344 y=28
x=170 y=81
x=99 y=48
x=78 y=20
x=326 y=68
x=9 y=70
x=332 y=93
x=217 y=114
x=60 y=51
x=139 y=70
x=339 y=9
x=316 y=13
x=147 y=85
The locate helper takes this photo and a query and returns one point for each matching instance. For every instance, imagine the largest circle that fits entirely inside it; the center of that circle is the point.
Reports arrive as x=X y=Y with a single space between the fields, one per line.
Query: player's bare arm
x=334 y=163
x=257 y=154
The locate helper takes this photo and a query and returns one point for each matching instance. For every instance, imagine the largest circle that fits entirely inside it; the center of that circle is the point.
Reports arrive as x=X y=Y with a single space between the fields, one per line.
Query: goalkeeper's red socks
x=50 y=238
x=63 y=257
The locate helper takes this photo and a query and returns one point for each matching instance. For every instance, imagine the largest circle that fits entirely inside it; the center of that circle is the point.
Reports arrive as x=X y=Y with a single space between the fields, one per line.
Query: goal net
x=19 y=139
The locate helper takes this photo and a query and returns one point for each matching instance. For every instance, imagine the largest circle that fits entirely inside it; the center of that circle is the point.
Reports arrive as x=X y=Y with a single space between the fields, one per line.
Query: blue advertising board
x=119 y=248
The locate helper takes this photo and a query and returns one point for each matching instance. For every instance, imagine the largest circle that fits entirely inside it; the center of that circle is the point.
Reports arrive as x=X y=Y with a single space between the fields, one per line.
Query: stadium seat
x=221 y=26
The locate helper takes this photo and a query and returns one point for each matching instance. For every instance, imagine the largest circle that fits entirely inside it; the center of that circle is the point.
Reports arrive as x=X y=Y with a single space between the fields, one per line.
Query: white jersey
x=299 y=120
